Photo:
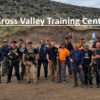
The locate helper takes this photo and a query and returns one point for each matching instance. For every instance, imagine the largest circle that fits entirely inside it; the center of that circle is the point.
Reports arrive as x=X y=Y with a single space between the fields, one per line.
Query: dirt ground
x=46 y=90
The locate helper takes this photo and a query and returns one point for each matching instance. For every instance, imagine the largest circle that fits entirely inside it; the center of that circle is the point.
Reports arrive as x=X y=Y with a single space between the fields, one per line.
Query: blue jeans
x=45 y=65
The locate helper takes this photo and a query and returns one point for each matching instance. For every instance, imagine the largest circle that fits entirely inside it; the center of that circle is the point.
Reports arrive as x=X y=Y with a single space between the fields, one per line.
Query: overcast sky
x=87 y=3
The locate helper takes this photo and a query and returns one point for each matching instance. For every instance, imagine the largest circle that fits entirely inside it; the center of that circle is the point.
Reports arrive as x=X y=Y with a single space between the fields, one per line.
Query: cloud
x=87 y=3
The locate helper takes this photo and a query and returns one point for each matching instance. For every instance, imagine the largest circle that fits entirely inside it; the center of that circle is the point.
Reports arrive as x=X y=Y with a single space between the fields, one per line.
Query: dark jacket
x=69 y=46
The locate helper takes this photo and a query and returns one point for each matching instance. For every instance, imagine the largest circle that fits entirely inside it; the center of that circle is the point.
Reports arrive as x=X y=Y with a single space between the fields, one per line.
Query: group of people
x=78 y=57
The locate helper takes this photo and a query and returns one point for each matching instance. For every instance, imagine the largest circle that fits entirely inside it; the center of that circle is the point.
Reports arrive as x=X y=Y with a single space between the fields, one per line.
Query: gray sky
x=87 y=3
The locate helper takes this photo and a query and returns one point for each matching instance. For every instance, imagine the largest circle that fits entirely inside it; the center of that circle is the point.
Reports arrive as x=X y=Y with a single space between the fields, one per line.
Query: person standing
x=4 y=49
x=13 y=54
x=48 y=43
x=51 y=57
x=68 y=46
x=81 y=44
x=87 y=65
x=42 y=59
x=23 y=72
x=96 y=63
x=30 y=57
x=61 y=65
x=94 y=43
x=76 y=59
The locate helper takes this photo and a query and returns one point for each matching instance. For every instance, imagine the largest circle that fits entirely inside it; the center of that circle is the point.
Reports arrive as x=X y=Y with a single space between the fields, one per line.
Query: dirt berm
x=55 y=33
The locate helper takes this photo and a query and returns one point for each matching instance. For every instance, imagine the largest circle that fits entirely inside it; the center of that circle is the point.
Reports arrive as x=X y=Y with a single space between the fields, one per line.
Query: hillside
x=44 y=8
x=17 y=9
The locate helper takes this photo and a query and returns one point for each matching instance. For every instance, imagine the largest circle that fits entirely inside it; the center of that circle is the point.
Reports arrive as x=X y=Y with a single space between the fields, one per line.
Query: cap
x=4 y=40
x=66 y=38
x=13 y=41
x=29 y=42
x=86 y=45
x=20 y=39
x=98 y=37
x=62 y=43
x=81 y=38
x=47 y=39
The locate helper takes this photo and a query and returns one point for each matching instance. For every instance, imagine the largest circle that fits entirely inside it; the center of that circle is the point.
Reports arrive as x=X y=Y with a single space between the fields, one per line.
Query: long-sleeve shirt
x=4 y=49
x=78 y=56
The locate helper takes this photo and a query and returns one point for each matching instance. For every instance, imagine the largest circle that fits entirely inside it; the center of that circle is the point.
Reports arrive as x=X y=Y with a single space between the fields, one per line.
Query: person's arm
x=93 y=46
x=37 y=54
x=70 y=57
x=37 y=57
x=48 y=57
x=23 y=57
x=19 y=53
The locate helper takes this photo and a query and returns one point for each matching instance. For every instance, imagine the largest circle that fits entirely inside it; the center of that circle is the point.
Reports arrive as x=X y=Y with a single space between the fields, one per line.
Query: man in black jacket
x=13 y=54
x=68 y=46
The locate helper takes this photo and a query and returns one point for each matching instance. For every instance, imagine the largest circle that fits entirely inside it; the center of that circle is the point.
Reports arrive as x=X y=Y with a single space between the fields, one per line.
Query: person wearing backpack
x=43 y=49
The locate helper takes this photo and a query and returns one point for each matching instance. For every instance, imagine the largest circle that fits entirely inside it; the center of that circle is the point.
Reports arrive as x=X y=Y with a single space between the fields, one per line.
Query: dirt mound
x=55 y=33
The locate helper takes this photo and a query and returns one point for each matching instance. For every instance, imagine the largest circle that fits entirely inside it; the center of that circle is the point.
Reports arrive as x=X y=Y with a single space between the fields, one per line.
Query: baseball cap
x=62 y=43
x=66 y=38
x=30 y=42
x=13 y=41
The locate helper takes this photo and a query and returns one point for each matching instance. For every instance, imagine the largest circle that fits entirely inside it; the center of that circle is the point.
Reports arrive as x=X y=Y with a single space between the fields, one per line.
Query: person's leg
x=85 y=74
x=6 y=65
x=39 y=67
x=63 y=70
x=56 y=71
x=10 y=68
x=90 y=75
x=34 y=73
x=3 y=67
x=97 y=78
x=22 y=69
x=16 y=67
x=51 y=70
x=45 y=68
x=59 y=72
x=0 y=72
x=69 y=68
x=75 y=77
x=81 y=77
x=28 y=71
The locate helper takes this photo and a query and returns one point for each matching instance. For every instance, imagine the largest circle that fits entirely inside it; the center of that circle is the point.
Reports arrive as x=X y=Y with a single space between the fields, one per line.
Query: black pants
x=87 y=74
x=22 y=69
x=10 y=68
x=97 y=73
x=45 y=65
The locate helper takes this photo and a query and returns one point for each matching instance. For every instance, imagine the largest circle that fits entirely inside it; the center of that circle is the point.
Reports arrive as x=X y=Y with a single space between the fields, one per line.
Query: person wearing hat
x=42 y=49
x=76 y=59
x=4 y=49
x=81 y=44
x=94 y=43
x=48 y=43
x=13 y=53
x=87 y=65
x=61 y=65
x=30 y=55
